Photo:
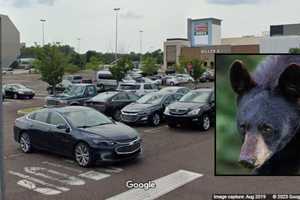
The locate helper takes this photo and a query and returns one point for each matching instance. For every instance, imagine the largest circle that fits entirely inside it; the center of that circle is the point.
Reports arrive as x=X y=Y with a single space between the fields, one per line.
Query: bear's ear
x=240 y=78
x=289 y=82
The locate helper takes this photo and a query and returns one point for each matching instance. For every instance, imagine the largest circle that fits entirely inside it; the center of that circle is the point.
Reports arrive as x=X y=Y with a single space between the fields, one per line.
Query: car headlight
x=103 y=142
x=194 y=112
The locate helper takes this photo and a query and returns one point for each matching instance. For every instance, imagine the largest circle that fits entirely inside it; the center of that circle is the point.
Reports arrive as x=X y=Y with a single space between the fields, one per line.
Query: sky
x=93 y=21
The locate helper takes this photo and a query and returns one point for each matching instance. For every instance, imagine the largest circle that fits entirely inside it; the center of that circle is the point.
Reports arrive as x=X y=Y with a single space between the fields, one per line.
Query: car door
x=9 y=91
x=61 y=139
x=40 y=134
x=119 y=101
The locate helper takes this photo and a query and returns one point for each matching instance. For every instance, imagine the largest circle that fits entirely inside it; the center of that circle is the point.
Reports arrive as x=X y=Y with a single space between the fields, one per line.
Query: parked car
x=140 y=89
x=172 y=80
x=105 y=80
x=17 y=91
x=61 y=87
x=176 y=89
x=111 y=103
x=78 y=132
x=206 y=77
x=196 y=107
x=185 y=78
x=148 y=109
x=74 y=79
x=160 y=79
x=77 y=94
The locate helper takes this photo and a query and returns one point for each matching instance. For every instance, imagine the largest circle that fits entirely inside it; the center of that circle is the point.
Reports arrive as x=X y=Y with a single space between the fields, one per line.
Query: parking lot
x=180 y=162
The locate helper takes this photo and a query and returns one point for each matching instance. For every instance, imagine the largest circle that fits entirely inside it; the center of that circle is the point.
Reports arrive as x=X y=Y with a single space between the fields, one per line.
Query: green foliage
x=197 y=68
x=228 y=141
x=149 y=66
x=71 y=68
x=120 y=69
x=294 y=50
x=50 y=63
x=94 y=63
x=182 y=66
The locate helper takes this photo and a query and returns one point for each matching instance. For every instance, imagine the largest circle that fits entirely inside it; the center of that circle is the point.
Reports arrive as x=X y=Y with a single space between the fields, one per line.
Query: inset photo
x=257 y=114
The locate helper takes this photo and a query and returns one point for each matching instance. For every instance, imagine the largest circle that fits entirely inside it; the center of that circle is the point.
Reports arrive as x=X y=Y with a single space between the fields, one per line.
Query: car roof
x=83 y=84
x=66 y=109
x=204 y=90
x=173 y=87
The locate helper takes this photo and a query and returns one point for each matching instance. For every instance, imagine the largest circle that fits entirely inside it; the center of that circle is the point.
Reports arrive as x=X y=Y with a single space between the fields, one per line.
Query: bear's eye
x=243 y=127
x=266 y=129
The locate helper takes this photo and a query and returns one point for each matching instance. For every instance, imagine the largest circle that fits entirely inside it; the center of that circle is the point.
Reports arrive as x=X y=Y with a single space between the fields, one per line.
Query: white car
x=140 y=89
x=185 y=78
x=172 y=80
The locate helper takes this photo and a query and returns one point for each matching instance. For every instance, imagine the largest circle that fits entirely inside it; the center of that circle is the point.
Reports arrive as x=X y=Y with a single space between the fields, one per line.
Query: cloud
x=233 y=2
x=131 y=15
x=29 y=3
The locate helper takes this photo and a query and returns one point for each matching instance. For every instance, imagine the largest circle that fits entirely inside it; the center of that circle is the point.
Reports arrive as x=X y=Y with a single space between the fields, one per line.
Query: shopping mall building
x=204 y=40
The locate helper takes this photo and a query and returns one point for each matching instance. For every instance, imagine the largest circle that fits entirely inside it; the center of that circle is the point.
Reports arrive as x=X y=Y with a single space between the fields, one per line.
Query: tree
x=50 y=63
x=197 y=69
x=120 y=69
x=182 y=66
x=149 y=66
x=294 y=50
x=94 y=63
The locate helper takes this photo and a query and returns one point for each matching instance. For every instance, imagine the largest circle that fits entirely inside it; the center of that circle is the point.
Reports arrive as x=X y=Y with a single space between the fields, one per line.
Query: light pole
x=141 y=45
x=78 y=47
x=43 y=29
x=116 y=47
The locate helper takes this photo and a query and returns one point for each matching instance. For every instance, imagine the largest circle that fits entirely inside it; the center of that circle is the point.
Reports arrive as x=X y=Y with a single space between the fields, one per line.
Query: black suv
x=77 y=94
x=111 y=103
x=196 y=107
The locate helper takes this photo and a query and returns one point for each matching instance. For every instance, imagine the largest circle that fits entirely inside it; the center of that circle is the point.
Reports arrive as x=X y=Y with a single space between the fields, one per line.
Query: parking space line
x=61 y=166
x=163 y=186
x=32 y=179
x=32 y=186
x=110 y=169
x=65 y=178
x=93 y=175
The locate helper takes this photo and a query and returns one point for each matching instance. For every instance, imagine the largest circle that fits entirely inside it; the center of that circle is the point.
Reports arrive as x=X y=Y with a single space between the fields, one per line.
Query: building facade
x=172 y=51
x=9 y=42
x=206 y=31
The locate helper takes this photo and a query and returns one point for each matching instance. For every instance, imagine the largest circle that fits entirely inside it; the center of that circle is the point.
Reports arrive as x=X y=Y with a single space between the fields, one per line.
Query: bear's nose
x=247 y=162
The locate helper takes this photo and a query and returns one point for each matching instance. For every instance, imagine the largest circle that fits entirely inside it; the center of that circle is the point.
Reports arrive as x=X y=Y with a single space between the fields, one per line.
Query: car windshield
x=104 y=96
x=86 y=118
x=152 y=98
x=74 y=90
x=129 y=87
x=195 y=97
x=19 y=86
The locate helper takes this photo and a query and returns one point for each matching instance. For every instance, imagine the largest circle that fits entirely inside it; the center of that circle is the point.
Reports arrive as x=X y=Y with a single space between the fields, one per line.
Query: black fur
x=271 y=96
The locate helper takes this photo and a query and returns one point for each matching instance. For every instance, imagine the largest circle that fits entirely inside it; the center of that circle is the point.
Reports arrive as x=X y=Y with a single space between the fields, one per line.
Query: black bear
x=268 y=114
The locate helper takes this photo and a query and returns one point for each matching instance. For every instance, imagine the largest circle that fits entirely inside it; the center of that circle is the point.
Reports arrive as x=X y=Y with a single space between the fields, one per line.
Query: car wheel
x=205 y=122
x=15 y=96
x=117 y=115
x=172 y=124
x=25 y=143
x=155 y=119
x=172 y=83
x=83 y=155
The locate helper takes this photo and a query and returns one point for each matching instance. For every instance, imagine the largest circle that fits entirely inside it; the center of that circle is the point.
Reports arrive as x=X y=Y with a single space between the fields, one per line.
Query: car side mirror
x=63 y=127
